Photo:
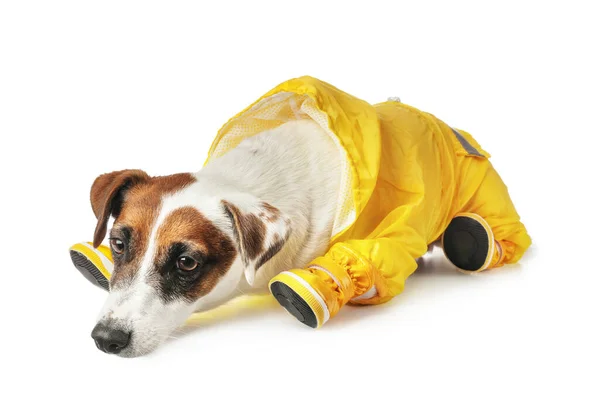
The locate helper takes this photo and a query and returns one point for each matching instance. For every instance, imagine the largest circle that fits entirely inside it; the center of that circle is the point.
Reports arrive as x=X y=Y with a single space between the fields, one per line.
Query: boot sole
x=89 y=270
x=294 y=304
x=468 y=243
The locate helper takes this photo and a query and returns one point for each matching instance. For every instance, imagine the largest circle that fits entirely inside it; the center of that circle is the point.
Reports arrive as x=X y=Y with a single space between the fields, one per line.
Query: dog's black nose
x=110 y=340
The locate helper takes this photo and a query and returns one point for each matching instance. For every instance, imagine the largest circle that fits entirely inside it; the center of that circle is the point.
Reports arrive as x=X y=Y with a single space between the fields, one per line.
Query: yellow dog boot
x=96 y=264
x=316 y=294
x=469 y=244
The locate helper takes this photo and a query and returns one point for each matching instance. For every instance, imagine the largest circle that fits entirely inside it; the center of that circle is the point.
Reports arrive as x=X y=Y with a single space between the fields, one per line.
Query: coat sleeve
x=379 y=264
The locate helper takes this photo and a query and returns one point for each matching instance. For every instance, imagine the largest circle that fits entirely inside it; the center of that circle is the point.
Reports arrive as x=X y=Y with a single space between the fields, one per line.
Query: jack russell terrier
x=311 y=192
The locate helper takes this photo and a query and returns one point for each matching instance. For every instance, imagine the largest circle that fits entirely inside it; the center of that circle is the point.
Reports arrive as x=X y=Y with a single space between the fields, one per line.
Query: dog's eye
x=117 y=245
x=186 y=263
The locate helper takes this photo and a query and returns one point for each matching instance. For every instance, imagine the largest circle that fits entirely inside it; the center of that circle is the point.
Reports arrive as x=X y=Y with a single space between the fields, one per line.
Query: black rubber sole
x=294 y=304
x=466 y=243
x=89 y=270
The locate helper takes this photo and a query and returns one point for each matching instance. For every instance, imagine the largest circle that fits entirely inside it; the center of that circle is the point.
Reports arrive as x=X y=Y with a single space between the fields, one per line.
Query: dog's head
x=178 y=247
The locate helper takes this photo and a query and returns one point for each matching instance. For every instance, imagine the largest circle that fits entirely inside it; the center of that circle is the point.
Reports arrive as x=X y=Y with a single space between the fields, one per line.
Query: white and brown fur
x=266 y=206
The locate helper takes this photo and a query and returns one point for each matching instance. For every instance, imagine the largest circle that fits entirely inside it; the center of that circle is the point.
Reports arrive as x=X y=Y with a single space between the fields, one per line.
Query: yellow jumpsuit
x=406 y=174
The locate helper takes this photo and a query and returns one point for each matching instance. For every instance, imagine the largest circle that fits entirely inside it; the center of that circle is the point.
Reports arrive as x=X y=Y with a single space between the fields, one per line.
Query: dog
x=311 y=193
x=182 y=243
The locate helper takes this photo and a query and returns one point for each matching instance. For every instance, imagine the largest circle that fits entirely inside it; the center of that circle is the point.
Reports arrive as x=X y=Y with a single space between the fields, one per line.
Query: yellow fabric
x=344 y=283
x=409 y=176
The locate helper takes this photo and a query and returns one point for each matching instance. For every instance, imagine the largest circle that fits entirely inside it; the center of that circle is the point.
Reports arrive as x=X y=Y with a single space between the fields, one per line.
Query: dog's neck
x=294 y=168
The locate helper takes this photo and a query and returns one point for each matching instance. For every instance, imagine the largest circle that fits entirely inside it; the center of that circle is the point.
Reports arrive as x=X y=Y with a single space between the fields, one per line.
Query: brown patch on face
x=249 y=231
x=139 y=209
x=187 y=232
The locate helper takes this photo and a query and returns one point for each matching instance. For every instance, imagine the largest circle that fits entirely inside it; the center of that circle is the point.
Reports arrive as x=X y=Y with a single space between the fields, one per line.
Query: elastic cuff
x=356 y=267
x=337 y=273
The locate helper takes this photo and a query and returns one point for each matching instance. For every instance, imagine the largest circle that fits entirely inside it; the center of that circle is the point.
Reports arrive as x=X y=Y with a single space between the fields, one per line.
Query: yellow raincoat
x=406 y=174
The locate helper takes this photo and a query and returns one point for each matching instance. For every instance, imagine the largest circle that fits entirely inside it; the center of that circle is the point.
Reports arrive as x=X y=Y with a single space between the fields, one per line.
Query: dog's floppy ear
x=107 y=195
x=260 y=231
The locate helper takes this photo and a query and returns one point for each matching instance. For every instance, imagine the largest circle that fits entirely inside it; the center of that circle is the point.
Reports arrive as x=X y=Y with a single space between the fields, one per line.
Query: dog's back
x=296 y=167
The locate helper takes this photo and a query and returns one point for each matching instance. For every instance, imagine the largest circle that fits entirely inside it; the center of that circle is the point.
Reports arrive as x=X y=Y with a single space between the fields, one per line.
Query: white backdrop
x=92 y=87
